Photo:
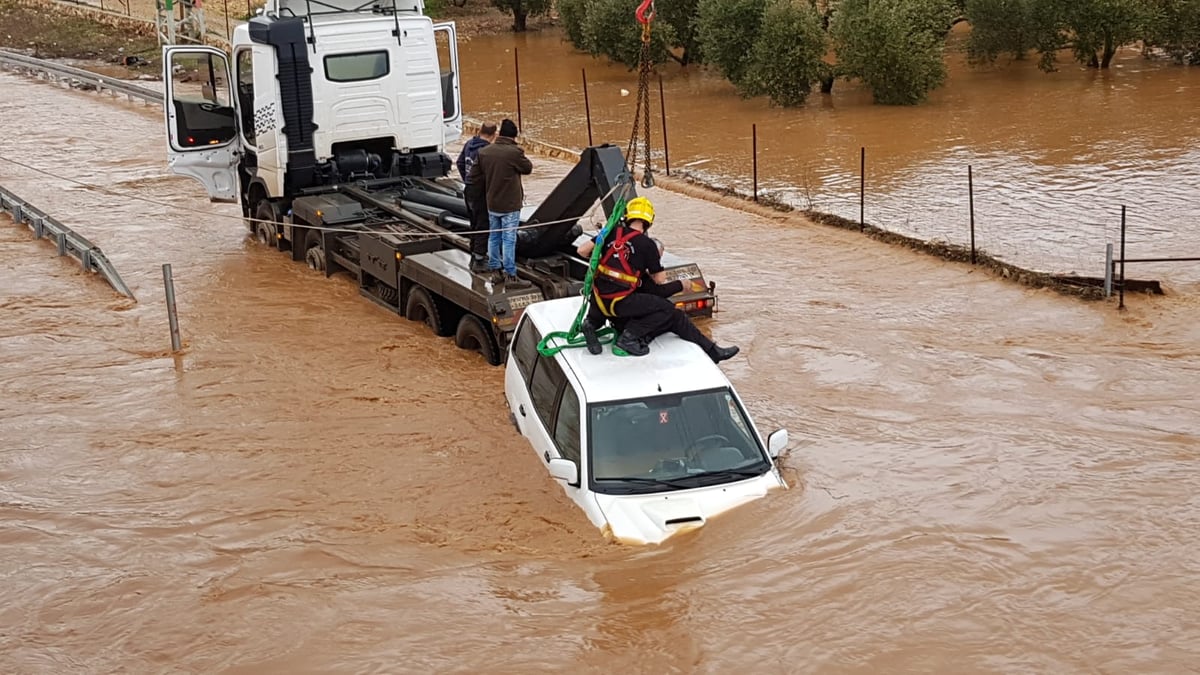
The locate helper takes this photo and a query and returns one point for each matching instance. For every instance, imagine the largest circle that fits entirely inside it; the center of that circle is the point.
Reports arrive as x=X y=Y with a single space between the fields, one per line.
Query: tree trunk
x=827 y=84
x=1110 y=51
x=1094 y=62
x=519 y=16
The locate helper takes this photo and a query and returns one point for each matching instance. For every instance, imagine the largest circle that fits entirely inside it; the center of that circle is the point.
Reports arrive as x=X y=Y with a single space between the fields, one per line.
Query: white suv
x=646 y=446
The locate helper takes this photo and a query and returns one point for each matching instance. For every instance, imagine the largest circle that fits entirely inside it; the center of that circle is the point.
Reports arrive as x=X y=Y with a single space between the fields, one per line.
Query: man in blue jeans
x=500 y=167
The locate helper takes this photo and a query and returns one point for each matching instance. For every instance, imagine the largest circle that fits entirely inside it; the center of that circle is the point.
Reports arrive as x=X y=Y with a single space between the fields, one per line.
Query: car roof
x=672 y=366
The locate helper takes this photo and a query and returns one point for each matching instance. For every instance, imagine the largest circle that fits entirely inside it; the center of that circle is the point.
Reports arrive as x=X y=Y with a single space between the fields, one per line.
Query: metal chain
x=642 y=112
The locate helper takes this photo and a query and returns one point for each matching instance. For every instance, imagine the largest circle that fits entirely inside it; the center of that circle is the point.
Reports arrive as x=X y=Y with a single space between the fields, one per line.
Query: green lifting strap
x=574 y=337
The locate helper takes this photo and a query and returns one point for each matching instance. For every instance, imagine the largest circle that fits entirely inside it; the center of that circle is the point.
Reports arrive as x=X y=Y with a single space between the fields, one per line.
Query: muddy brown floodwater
x=1054 y=156
x=987 y=478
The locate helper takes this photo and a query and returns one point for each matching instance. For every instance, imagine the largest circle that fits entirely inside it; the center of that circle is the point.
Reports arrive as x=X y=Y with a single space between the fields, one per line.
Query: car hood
x=652 y=518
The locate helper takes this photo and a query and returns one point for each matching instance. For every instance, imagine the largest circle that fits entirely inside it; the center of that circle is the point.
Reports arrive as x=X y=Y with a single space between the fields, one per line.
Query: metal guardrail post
x=172 y=317
x=1108 y=269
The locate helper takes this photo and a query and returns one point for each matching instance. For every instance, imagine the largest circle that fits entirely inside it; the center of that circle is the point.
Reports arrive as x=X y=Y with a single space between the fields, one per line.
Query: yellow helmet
x=640 y=208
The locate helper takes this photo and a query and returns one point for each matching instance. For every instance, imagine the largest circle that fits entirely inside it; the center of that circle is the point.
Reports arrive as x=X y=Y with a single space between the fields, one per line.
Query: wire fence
x=982 y=204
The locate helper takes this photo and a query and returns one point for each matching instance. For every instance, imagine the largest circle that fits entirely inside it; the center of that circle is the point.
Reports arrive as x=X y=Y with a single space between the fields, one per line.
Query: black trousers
x=645 y=316
x=477 y=212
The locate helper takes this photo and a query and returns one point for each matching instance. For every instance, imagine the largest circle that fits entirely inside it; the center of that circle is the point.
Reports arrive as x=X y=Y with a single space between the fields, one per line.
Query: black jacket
x=469 y=155
x=501 y=166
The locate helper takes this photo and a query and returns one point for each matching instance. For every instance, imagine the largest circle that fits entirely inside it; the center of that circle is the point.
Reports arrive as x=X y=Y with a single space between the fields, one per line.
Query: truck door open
x=202 y=119
x=446 y=38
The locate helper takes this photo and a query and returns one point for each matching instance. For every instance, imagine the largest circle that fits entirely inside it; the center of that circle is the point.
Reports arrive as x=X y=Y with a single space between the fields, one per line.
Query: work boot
x=513 y=281
x=479 y=265
x=589 y=336
x=719 y=354
x=632 y=345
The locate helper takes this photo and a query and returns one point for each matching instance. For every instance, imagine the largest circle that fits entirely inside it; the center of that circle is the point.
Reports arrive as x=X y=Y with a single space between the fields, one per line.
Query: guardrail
x=69 y=242
x=72 y=76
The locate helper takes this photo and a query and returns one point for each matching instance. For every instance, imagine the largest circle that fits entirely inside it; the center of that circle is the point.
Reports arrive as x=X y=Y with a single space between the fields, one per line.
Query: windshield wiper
x=667 y=482
x=696 y=479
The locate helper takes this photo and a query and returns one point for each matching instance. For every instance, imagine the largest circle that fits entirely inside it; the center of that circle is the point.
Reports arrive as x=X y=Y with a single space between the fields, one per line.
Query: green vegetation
x=1092 y=30
x=894 y=46
x=785 y=59
x=779 y=48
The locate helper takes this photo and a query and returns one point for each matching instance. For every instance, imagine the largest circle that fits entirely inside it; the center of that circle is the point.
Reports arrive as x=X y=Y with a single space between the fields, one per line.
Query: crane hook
x=641 y=12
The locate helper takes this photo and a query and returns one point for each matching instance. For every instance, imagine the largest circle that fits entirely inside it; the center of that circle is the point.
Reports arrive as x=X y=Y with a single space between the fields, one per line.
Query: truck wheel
x=474 y=335
x=265 y=228
x=421 y=307
x=314 y=251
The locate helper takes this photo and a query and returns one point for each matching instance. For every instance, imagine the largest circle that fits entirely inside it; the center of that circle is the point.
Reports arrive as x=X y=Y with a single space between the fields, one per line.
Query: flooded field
x=987 y=478
x=1054 y=156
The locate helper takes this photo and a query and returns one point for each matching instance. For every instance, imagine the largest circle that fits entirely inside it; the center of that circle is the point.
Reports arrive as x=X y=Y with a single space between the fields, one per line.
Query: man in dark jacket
x=500 y=166
x=475 y=194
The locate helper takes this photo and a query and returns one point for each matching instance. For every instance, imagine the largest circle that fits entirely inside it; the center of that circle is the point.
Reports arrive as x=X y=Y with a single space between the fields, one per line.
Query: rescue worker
x=475 y=193
x=629 y=259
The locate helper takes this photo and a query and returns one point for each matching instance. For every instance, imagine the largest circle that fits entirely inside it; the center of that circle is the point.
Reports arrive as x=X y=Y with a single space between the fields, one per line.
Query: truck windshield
x=672 y=442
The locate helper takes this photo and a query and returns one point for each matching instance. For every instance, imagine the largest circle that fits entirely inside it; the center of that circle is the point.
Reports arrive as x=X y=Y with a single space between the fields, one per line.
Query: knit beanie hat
x=508 y=128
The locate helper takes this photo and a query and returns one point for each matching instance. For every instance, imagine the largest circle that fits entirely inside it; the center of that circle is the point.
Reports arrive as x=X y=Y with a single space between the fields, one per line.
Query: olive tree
x=726 y=31
x=681 y=16
x=609 y=29
x=1092 y=29
x=1173 y=26
x=522 y=10
x=894 y=46
x=572 y=14
x=785 y=59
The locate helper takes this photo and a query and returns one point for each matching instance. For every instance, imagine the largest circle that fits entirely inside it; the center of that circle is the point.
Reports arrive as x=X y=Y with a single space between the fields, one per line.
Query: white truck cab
x=646 y=446
x=314 y=92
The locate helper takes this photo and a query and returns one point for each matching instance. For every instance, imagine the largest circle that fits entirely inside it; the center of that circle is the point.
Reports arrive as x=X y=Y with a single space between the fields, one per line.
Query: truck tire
x=314 y=251
x=474 y=335
x=421 y=307
x=267 y=223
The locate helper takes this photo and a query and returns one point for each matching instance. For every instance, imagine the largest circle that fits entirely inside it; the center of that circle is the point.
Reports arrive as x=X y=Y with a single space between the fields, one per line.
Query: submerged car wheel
x=473 y=334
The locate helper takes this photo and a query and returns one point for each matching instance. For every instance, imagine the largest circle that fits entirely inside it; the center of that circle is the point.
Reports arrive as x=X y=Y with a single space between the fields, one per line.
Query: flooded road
x=987 y=478
x=1054 y=156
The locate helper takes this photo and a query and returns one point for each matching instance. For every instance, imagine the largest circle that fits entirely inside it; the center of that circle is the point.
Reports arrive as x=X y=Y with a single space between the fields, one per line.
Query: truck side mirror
x=776 y=442
x=565 y=470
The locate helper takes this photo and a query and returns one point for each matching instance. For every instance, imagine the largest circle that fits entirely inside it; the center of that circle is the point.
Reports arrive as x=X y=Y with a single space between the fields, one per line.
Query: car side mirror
x=565 y=470
x=776 y=442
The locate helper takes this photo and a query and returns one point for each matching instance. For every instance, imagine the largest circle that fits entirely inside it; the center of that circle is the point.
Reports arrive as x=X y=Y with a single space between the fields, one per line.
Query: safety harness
x=615 y=265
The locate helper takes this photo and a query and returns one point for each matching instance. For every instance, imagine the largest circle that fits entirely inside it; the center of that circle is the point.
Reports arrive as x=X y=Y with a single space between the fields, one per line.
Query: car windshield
x=672 y=442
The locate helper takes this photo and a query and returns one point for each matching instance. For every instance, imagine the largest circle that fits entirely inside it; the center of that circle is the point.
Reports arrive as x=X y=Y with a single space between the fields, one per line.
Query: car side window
x=544 y=387
x=566 y=426
x=525 y=347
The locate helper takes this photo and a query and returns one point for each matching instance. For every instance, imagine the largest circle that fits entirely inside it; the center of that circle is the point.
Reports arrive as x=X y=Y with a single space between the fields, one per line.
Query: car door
x=545 y=386
x=201 y=117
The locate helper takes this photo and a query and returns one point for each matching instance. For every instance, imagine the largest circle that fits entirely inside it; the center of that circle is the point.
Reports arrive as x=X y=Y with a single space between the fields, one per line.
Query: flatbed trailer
x=402 y=240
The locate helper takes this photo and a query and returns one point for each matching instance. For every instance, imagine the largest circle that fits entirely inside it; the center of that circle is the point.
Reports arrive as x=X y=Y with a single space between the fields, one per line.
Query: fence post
x=172 y=318
x=228 y=32
x=971 y=200
x=862 y=188
x=662 y=106
x=517 y=70
x=754 y=153
x=62 y=244
x=1108 y=269
x=587 y=107
x=1121 y=302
